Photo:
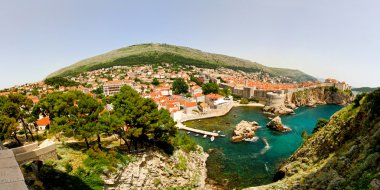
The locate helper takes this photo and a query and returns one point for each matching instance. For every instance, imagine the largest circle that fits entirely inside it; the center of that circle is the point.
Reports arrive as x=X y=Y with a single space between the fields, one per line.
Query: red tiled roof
x=190 y=104
x=43 y=122
x=214 y=96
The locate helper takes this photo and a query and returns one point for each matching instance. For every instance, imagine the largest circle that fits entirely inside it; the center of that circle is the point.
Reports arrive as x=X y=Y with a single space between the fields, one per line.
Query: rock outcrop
x=277 y=110
x=343 y=154
x=320 y=95
x=244 y=130
x=155 y=170
x=284 y=104
x=276 y=124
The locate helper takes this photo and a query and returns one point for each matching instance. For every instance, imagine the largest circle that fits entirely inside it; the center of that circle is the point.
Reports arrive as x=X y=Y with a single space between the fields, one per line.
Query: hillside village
x=155 y=81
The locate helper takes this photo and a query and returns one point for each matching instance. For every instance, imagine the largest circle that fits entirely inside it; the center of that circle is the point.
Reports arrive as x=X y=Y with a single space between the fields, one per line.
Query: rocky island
x=244 y=130
x=276 y=124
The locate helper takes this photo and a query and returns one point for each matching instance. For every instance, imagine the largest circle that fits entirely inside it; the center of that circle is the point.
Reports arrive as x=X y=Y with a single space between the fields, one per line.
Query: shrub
x=244 y=101
x=184 y=142
x=320 y=123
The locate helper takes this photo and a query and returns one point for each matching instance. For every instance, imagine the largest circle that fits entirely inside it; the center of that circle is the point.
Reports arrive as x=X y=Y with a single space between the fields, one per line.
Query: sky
x=338 y=39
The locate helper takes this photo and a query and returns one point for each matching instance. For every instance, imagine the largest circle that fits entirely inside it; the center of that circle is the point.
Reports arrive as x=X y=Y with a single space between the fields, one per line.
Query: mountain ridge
x=159 y=53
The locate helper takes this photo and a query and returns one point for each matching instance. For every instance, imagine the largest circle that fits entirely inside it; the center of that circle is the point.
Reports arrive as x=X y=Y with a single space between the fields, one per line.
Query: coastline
x=223 y=110
x=248 y=105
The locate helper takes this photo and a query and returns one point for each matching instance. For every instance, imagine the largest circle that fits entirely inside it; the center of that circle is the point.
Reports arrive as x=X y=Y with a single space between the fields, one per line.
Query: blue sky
x=339 y=39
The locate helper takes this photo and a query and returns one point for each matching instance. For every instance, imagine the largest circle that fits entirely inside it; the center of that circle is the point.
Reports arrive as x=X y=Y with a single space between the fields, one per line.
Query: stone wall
x=47 y=150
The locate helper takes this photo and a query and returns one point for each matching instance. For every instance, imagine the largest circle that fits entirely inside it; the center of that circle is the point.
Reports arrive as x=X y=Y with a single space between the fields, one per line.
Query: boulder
x=244 y=129
x=276 y=124
x=277 y=110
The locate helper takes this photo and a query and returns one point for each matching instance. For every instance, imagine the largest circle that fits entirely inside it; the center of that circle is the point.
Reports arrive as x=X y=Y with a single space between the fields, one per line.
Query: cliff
x=156 y=170
x=320 y=95
x=343 y=154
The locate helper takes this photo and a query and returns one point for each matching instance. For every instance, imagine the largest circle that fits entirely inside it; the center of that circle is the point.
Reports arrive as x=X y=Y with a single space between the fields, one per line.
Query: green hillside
x=164 y=53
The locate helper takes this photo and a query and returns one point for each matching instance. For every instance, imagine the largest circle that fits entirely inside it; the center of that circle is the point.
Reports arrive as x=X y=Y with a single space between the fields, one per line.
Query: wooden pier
x=183 y=127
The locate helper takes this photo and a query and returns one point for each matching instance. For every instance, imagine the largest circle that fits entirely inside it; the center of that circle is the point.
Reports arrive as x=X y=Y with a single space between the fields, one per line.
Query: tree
x=225 y=92
x=320 y=123
x=72 y=113
x=209 y=88
x=143 y=121
x=196 y=80
x=180 y=86
x=358 y=98
x=20 y=107
x=60 y=81
x=155 y=82
x=8 y=128
x=8 y=122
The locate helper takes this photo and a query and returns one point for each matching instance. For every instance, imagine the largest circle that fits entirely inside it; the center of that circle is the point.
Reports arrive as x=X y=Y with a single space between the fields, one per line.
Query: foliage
x=60 y=81
x=209 y=88
x=73 y=114
x=196 y=80
x=371 y=103
x=155 y=82
x=184 y=142
x=225 y=92
x=320 y=123
x=236 y=97
x=98 y=90
x=182 y=163
x=244 y=101
x=358 y=98
x=145 y=123
x=16 y=108
x=180 y=86
x=365 y=89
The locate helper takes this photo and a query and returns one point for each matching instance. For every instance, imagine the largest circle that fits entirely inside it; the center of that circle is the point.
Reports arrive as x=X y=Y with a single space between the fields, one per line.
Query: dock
x=208 y=133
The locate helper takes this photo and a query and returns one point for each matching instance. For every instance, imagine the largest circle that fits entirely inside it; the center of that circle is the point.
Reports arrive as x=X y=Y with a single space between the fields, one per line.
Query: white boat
x=204 y=136
x=218 y=131
x=222 y=135
x=212 y=138
x=196 y=135
x=188 y=132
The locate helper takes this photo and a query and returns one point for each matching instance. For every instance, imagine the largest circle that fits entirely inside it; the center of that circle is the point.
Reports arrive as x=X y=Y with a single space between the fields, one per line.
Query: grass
x=81 y=168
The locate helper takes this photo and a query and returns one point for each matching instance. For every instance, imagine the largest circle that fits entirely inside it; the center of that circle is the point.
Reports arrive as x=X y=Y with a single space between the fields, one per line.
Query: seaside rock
x=277 y=110
x=244 y=129
x=276 y=124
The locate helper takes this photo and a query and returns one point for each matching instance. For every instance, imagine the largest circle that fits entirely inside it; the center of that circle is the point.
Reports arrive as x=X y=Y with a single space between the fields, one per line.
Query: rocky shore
x=244 y=130
x=156 y=170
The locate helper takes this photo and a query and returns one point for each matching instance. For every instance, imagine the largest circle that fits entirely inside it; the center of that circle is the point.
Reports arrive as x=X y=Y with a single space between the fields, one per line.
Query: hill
x=164 y=53
x=365 y=89
x=342 y=154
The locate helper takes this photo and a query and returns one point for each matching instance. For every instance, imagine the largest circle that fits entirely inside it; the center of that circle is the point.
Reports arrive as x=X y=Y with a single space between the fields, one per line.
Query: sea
x=246 y=164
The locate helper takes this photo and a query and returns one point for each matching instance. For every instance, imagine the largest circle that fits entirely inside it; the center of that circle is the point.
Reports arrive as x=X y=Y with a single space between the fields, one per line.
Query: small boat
x=196 y=135
x=218 y=131
x=212 y=138
x=188 y=132
x=204 y=136
x=222 y=135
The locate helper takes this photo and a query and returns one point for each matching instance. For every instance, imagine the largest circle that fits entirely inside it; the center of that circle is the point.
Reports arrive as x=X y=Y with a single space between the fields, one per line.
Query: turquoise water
x=244 y=164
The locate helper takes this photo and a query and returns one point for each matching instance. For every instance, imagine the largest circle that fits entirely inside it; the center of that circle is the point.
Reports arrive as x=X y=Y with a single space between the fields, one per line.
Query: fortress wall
x=25 y=148
x=275 y=100
x=41 y=153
